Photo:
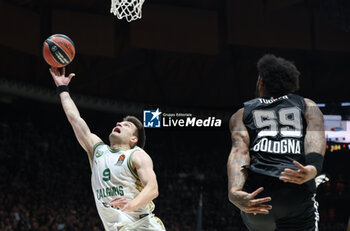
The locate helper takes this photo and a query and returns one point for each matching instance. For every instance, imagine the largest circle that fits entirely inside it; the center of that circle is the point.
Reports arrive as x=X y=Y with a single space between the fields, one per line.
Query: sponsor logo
x=98 y=154
x=152 y=118
x=120 y=160
x=61 y=58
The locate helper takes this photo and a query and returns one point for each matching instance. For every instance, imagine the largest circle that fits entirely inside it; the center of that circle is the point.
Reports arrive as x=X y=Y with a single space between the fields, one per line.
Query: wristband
x=315 y=159
x=62 y=88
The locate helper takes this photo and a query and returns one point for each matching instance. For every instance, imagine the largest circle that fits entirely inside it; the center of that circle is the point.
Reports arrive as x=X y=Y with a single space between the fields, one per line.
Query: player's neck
x=262 y=93
x=267 y=95
x=120 y=146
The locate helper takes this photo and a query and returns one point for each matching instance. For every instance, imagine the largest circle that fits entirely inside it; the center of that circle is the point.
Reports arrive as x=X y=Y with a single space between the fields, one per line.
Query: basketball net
x=128 y=9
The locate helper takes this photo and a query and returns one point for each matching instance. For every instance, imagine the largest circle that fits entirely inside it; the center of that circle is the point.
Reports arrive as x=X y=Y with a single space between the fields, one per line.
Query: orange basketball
x=58 y=50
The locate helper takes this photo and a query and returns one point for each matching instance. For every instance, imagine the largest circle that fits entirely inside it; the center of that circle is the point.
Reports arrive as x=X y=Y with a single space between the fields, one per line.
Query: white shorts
x=148 y=223
x=116 y=220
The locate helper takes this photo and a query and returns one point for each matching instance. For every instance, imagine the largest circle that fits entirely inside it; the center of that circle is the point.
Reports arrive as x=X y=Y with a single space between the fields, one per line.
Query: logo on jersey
x=152 y=118
x=120 y=160
x=98 y=154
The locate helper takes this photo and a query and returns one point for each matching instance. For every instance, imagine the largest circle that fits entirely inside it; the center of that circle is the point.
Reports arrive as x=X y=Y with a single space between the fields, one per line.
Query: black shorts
x=294 y=208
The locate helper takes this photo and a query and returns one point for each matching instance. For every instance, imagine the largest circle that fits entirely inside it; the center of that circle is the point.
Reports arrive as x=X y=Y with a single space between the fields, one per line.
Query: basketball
x=58 y=50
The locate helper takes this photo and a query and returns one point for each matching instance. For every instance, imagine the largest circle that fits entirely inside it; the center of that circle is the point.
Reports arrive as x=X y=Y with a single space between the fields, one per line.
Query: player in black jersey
x=278 y=144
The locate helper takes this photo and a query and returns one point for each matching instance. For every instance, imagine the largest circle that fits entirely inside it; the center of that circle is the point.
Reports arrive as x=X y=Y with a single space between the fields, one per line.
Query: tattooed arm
x=239 y=154
x=237 y=176
x=315 y=143
x=315 y=140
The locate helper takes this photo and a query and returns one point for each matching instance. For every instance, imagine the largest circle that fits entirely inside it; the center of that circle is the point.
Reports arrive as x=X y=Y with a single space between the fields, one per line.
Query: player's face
x=123 y=131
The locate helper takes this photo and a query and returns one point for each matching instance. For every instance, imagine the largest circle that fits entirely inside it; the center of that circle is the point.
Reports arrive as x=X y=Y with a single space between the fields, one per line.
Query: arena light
x=345 y=104
x=321 y=105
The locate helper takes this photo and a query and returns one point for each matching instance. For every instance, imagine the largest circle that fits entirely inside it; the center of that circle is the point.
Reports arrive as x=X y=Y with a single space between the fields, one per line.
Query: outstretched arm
x=82 y=132
x=144 y=168
x=239 y=156
x=315 y=147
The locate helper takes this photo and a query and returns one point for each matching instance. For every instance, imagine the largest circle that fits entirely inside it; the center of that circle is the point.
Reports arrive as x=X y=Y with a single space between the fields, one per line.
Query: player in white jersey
x=123 y=181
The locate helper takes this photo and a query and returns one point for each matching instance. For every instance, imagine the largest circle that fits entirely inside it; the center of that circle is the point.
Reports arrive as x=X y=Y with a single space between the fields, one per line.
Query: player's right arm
x=237 y=175
x=81 y=130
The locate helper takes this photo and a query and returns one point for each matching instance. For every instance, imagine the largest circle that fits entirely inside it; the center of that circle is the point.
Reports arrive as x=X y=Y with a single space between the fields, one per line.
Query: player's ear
x=133 y=140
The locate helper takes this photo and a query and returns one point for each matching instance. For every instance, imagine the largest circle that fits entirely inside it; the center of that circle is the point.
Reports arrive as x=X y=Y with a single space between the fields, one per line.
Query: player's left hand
x=300 y=176
x=59 y=76
x=122 y=203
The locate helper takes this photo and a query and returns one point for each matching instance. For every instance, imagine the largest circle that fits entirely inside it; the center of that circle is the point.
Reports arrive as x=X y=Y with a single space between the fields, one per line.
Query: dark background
x=183 y=56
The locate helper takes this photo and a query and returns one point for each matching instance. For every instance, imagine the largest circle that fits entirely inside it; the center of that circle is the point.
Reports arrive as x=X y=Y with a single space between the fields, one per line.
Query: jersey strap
x=132 y=170
x=95 y=146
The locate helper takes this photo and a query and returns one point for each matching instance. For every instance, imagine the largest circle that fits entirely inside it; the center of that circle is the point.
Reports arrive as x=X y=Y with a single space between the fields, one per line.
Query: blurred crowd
x=45 y=178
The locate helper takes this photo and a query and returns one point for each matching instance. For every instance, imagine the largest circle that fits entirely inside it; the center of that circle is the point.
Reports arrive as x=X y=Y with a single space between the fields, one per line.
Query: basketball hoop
x=128 y=9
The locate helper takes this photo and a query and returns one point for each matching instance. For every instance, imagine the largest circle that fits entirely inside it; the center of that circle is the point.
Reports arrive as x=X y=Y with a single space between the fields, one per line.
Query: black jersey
x=277 y=130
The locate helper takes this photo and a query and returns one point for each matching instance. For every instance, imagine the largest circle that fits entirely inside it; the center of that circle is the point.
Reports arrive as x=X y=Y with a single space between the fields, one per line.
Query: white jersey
x=113 y=175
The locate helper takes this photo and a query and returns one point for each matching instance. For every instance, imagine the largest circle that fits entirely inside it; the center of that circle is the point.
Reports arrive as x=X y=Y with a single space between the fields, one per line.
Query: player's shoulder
x=239 y=113
x=236 y=117
x=309 y=102
x=140 y=157
x=137 y=149
x=98 y=145
x=312 y=110
x=139 y=152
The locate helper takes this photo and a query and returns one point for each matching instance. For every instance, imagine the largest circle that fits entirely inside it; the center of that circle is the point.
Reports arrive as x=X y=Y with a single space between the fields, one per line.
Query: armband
x=62 y=88
x=315 y=159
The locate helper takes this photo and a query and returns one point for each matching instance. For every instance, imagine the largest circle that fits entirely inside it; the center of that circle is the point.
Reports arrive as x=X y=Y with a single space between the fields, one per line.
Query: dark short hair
x=140 y=130
x=279 y=75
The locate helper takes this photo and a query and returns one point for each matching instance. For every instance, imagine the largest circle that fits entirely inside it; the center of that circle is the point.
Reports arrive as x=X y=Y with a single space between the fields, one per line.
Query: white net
x=128 y=9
